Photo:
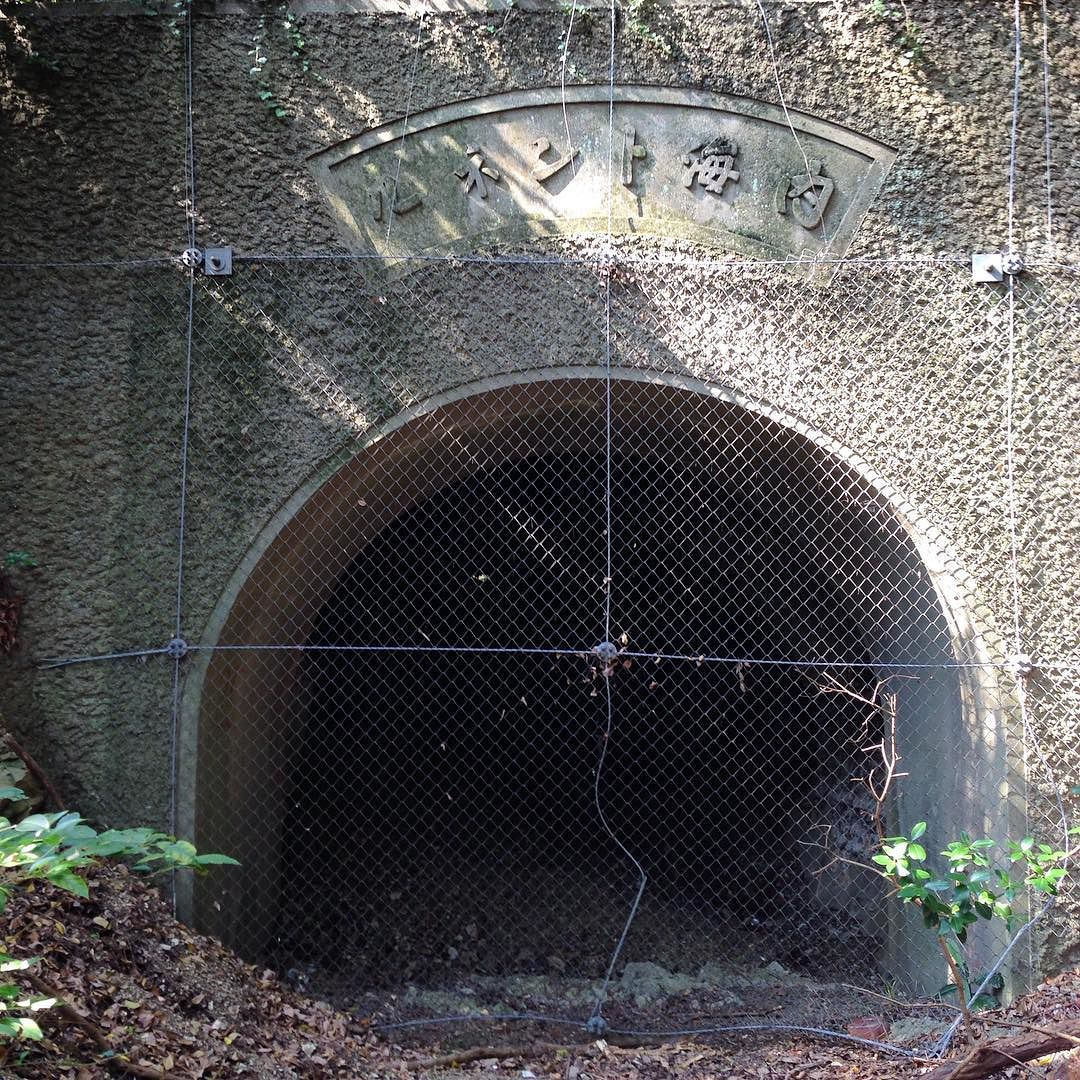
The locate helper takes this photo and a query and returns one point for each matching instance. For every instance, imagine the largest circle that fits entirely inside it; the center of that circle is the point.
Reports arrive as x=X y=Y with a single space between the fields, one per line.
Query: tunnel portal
x=460 y=776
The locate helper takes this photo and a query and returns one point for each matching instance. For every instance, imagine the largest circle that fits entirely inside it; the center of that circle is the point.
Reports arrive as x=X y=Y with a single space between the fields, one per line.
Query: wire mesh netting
x=556 y=633
x=539 y=622
x=482 y=554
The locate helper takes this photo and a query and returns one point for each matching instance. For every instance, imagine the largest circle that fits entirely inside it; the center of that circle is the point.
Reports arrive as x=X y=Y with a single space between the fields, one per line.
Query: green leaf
x=12 y=793
x=938 y=886
x=28 y=1028
x=214 y=859
x=918 y=830
x=72 y=883
x=34 y=823
x=917 y=852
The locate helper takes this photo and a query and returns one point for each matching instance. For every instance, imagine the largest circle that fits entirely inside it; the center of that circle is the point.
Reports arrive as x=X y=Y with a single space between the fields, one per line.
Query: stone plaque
x=720 y=170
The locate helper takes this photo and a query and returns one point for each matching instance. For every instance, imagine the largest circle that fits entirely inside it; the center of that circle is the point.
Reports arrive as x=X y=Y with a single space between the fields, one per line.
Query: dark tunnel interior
x=465 y=780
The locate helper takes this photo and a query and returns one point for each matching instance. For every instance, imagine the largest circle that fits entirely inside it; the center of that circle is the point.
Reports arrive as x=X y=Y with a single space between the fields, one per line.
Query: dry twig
x=36 y=771
x=998 y=1054
x=526 y=1051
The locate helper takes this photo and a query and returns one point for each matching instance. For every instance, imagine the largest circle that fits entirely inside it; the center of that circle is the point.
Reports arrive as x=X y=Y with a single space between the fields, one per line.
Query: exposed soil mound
x=146 y=996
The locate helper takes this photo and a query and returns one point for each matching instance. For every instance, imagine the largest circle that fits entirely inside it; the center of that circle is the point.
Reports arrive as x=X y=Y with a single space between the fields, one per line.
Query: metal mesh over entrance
x=519 y=590
x=510 y=729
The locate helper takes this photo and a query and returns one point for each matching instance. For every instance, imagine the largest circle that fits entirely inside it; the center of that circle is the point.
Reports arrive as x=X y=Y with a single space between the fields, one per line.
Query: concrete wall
x=910 y=367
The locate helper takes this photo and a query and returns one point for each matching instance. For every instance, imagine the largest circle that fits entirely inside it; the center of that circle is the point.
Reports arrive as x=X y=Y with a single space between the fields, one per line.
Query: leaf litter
x=150 y=997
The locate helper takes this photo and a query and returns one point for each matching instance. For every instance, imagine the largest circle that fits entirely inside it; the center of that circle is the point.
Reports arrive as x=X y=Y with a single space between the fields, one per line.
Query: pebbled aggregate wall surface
x=92 y=381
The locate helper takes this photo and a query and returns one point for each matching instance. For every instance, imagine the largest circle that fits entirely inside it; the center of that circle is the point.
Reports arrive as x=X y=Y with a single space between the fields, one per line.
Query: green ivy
x=19 y=560
x=977 y=883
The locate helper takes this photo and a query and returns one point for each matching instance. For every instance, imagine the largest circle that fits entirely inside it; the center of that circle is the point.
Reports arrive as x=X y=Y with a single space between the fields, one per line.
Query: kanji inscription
x=386 y=198
x=712 y=165
x=712 y=169
x=474 y=171
x=805 y=196
x=544 y=170
x=631 y=152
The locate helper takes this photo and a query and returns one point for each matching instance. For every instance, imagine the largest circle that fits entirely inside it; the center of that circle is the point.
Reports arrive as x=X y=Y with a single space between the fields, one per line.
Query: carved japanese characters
x=473 y=172
x=710 y=168
x=805 y=196
x=631 y=152
x=712 y=165
x=386 y=198
x=544 y=170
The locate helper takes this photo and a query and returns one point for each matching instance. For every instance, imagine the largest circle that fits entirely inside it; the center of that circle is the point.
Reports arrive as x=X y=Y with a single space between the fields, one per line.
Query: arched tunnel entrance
x=407 y=762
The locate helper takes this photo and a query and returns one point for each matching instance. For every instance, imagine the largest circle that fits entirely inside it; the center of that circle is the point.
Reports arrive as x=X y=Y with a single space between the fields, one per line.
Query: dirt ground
x=147 y=997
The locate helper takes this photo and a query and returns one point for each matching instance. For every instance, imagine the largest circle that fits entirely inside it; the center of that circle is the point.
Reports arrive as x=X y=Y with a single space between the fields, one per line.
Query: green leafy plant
x=290 y=23
x=12 y=565
x=639 y=14
x=15 y=1003
x=258 y=71
x=177 y=11
x=19 y=560
x=54 y=848
x=907 y=36
x=507 y=7
x=978 y=880
x=260 y=60
x=973 y=885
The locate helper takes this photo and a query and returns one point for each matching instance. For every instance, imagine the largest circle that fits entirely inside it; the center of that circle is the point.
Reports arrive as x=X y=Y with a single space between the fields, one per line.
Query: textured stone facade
x=946 y=390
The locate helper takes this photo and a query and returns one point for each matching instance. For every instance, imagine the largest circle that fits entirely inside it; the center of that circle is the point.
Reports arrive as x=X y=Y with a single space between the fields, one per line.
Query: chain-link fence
x=542 y=593
x=555 y=633
x=585 y=549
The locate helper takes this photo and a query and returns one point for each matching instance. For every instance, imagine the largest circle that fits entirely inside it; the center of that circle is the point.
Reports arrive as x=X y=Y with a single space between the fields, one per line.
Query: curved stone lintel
x=732 y=172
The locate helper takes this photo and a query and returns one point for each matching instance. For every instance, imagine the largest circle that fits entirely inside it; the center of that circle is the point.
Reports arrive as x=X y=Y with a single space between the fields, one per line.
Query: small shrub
x=972 y=886
x=54 y=848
